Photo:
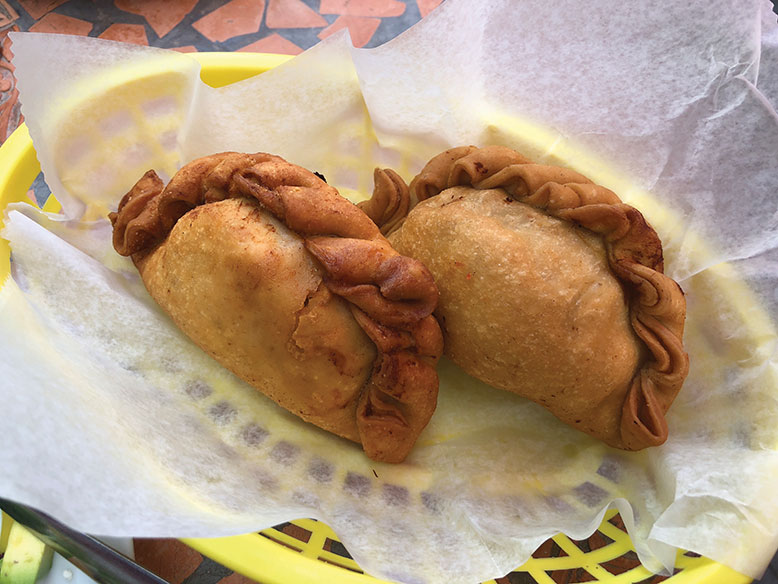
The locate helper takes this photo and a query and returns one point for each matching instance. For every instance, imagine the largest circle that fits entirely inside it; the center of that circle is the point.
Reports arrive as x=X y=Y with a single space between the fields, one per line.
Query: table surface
x=265 y=26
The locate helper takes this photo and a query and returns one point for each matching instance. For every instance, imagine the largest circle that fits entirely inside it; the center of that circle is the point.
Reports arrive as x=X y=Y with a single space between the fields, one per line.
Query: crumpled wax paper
x=117 y=424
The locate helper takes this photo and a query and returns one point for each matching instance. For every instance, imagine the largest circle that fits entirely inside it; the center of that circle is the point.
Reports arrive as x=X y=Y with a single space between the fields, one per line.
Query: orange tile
x=360 y=28
x=377 y=8
x=185 y=49
x=162 y=17
x=60 y=23
x=292 y=14
x=126 y=33
x=10 y=110
x=273 y=43
x=7 y=14
x=427 y=6
x=236 y=579
x=232 y=19
x=169 y=559
x=6 y=54
x=37 y=8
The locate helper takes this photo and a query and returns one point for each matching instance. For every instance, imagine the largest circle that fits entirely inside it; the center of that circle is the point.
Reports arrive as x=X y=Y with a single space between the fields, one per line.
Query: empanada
x=550 y=287
x=292 y=288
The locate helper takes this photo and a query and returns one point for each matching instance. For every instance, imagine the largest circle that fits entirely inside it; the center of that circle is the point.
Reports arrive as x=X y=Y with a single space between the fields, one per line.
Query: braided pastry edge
x=392 y=297
x=657 y=306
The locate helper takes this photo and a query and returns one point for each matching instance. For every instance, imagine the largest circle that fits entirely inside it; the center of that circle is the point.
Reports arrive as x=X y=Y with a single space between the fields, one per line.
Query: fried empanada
x=550 y=287
x=292 y=288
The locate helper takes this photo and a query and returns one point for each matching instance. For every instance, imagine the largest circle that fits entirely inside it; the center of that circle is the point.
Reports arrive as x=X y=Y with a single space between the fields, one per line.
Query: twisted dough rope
x=656 y=303
x=392 y=297
x=390 y=202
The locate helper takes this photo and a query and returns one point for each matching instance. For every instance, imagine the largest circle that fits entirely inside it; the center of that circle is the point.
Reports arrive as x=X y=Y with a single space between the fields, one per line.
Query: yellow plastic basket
x=305 y=550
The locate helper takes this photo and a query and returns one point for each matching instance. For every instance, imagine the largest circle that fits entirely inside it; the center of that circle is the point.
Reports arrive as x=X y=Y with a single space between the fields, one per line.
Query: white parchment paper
x=118 y=425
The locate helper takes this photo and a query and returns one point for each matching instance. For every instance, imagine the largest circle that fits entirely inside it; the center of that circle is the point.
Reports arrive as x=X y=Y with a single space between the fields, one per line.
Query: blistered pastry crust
x=392 y=297
x=657 y=307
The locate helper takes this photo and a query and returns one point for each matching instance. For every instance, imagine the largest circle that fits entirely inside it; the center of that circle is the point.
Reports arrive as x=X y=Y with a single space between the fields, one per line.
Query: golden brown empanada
x=292 y=288
x=550 y=287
